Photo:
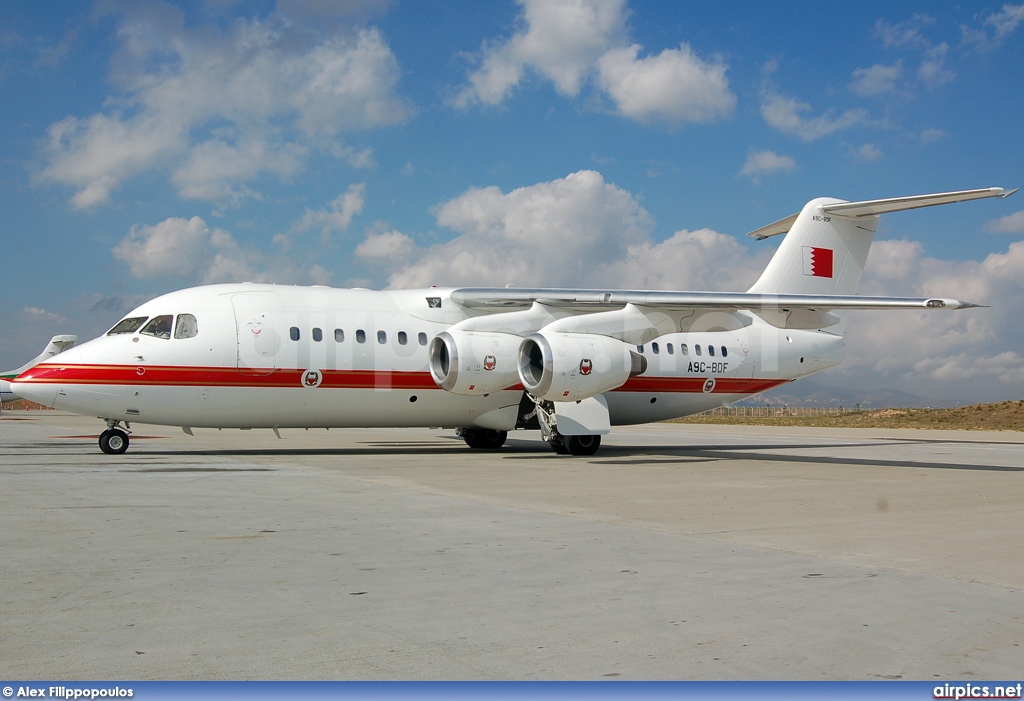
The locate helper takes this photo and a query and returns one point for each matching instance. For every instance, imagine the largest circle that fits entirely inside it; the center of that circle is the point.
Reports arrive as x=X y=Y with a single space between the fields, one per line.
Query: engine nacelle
x=567 y=367
x=474 y=362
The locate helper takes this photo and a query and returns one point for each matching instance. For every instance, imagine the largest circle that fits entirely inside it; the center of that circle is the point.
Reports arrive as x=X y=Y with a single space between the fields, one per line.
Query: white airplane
x=485 y=361
x=56 y=345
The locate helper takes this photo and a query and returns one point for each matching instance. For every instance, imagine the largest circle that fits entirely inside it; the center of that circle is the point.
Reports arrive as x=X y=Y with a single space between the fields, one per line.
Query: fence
x=768 y=411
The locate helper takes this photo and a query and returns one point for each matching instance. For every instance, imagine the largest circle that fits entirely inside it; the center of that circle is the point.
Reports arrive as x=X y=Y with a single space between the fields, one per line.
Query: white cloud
x=390 y=247
x=215 y=170
x=95 y=154
x=561 y=41
x=566 y=41
x=219 y=107
x=931 y=135
x=996 y=29
x=338 y=217
x=766 y=162
x=574 y=231
x=932 y=71
x=37 y=315
x=959 y=353
x=675 y=86
x=905 y=33
x=190 y=249
x=876 y=80
x=564 y=232
x=867 y=152
x=1010 y=224
x=787 y=115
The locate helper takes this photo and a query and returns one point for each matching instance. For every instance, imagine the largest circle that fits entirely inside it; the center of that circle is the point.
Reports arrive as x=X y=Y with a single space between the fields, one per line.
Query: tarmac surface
x=677 y=552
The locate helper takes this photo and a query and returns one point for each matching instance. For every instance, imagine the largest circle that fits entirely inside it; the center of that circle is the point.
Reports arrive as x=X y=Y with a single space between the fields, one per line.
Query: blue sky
x=150 y=146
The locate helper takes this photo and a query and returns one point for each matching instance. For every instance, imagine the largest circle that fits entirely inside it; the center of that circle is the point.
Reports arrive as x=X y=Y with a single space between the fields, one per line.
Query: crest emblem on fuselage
x=312 y=378
x=490 y=362
x=709 y=385
x=586 y=365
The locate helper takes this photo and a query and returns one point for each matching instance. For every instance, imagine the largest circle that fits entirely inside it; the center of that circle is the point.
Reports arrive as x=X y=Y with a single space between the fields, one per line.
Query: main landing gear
x=114 y=441
x=575 y=445
x=560 y=443
x=483 y=438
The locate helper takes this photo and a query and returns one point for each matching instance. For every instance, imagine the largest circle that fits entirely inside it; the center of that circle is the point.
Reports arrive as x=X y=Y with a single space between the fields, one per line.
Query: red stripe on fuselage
x=192 y=376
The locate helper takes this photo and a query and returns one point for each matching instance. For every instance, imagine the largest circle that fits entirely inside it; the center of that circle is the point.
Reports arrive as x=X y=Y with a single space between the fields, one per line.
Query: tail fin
x=57 y=344
x=828 y=241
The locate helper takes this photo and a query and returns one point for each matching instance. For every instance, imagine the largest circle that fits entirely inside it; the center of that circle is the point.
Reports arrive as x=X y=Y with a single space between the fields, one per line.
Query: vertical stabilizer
x=823 y=253
x=57 y=344
x=827 y=242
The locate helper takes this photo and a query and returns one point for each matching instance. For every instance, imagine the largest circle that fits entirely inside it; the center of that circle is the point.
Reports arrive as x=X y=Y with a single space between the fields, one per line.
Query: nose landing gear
x=114 y=441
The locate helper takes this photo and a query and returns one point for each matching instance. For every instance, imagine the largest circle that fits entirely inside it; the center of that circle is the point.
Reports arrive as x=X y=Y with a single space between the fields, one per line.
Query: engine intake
x=568 y=367
x=474 y=362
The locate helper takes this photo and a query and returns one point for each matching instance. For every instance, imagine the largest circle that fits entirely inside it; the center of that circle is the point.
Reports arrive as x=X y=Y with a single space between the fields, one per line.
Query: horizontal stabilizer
x=892 y=204
x=899 y=204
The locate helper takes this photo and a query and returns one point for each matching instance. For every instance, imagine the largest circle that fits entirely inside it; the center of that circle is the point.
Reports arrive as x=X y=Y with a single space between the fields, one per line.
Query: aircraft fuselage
x=273 y=356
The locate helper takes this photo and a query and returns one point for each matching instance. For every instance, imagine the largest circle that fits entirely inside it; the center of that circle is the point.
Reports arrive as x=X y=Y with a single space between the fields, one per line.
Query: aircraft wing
x=587 y=300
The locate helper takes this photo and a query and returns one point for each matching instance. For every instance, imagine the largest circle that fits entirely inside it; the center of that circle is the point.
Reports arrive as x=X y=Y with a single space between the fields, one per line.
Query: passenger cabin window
x=711 y=351
x=186 y=326
x=128 y=325
x=422 y=338
x=670 y=349
x=403 y=338
x=696 y=349
x=382 y=337
x=158 y=326
x=360 y=336
x=725 y=353
x=318 y=334
x=655 y=349
x=339 y=335
x=293 y=333
x=684 y=349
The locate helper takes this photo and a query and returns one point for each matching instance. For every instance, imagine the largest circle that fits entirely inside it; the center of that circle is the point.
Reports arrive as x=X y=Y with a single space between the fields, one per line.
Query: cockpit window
x=128 y=325
x=159 y=326
x=186 y=326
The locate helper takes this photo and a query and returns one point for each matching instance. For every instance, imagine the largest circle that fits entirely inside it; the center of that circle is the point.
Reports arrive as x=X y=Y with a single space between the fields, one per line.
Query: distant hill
x=808 y=393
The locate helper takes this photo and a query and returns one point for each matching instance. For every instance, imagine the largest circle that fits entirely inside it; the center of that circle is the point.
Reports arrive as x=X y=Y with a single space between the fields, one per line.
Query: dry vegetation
x=1002 y=416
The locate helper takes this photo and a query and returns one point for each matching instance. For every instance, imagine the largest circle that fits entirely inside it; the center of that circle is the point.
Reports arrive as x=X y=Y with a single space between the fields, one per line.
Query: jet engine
x=474 y=362
x=564 y=367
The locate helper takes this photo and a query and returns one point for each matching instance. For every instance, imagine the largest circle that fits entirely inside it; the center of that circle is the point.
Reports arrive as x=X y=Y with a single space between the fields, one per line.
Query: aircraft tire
x=484 y=438
x=114 y=441
x=582 y=445
x=558 y=445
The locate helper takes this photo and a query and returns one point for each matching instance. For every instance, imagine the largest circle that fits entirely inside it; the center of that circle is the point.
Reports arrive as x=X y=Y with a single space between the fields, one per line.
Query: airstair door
x=257 y=341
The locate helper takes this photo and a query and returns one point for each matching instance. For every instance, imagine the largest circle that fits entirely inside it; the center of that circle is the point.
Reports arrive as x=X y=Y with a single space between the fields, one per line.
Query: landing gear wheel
x=558 y=445
x=113 y=441
x=582 y=445
x=484 y=438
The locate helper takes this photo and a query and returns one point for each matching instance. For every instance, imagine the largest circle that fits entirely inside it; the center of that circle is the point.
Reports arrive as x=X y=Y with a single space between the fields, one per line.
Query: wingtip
x=1007 y=193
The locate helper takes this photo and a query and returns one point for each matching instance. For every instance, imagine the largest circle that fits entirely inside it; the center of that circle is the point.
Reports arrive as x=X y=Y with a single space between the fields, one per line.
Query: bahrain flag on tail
x=817 y=261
